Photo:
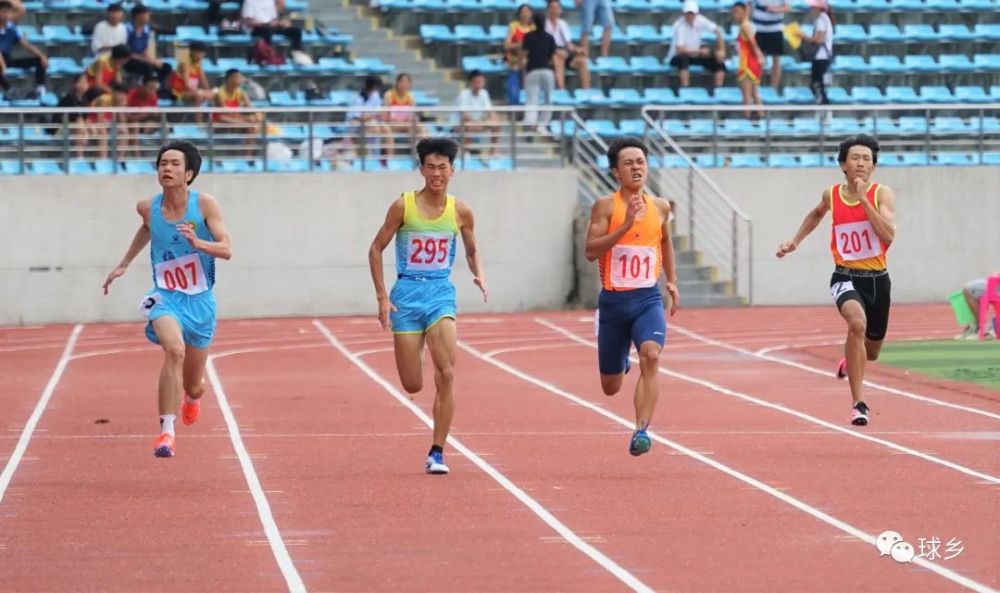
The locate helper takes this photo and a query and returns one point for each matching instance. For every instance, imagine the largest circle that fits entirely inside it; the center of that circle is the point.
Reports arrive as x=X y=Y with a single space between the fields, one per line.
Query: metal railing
x=124 y=140
x=714 y=134
x=712 y=222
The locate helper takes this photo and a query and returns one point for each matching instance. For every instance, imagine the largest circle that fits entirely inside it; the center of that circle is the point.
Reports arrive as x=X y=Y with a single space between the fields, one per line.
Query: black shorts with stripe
x=871 y=288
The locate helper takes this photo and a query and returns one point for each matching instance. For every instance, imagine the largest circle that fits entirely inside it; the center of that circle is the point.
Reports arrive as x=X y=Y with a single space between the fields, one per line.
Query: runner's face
x=631 y=169
x=171 y=172
x=437 y=172
x=859 y=163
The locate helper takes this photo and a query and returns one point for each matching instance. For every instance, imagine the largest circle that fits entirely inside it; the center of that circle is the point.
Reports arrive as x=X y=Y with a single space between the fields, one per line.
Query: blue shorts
x=195 y=314
x=624 y=318
x=420 y=303
x=598 y=11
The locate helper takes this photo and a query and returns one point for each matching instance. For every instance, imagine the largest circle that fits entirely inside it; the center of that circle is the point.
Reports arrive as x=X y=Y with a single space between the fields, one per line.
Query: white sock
x=167 y=423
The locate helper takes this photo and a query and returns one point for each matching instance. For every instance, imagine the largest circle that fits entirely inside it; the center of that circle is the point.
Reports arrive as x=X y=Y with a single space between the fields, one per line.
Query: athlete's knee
x=856 y=326
x=611 y=385
x=194 y=388
x=649 y=358
x=412 y=384
x=174 y=354
x=444 y=376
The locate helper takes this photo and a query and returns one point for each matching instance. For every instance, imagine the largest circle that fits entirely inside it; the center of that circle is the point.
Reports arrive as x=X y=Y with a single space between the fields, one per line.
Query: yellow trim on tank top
x=411 y=207
x=856 y=202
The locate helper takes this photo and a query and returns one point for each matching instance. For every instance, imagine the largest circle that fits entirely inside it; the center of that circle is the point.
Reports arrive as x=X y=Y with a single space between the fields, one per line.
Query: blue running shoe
x=640 y=443
x=435 y=464
x=628 y=364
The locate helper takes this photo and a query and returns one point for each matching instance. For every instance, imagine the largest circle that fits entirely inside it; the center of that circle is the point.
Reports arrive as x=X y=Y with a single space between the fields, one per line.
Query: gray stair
x=372 y=41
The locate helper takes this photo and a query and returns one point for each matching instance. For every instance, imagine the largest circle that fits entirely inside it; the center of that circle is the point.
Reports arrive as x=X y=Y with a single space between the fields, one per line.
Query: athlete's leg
x=168 y=333
x=647 y=390
x=872 y=349
x=613 y=342
x=441 y=340
x=854 y=314
x=409 y=360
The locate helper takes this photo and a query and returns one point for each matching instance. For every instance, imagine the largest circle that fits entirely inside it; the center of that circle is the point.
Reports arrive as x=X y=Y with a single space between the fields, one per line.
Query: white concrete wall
x=948 y=229
x=300 y=242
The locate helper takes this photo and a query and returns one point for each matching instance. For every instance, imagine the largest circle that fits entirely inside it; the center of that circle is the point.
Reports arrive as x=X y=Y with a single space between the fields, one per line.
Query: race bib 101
x=633 y=266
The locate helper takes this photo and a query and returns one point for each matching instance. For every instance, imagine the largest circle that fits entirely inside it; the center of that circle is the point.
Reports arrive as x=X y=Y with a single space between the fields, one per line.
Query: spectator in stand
x=144 y=96
x=568 y=54
x=768 y=18
x=188 y=83
x=231 y=96
x=477 y=111
x=751 y=64
x=263 y=18
x=77 y=123
x=516 y=31
x=101 y=123
x=686 y=49
x=10 y=37
x=110 y=32
x=142 y=41
x=106 y=70
x=599 y=10
x=16 y=10
x=540 y=79
x=370 y=97
x=401 y=118
x=819 y=48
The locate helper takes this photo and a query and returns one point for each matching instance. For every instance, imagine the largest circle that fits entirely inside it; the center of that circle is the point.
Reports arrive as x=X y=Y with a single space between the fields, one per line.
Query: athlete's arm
x=466 y=224
x=139 y=242
x=393 y=220
x=883 y=219
x=213 y=218
x=667 y=252
x=809 y=224
x=599 y=240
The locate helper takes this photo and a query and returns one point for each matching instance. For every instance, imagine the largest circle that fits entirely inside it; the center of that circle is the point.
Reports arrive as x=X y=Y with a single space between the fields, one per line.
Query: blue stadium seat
x=887 y=33
x=695 y=96
x=995 y=92
x=971 y=94
x=783 y=160
x=632 y=127
x=501 y=164
x=919 y=32
x=838 y=95
x=471 y=34
x=62 y=34
x=139 y=167
x=746 y=161
x=956 y=63
x=287 y=99
x=936 y=94
x=868 y=95
x=811 y=160
x=80 y=167
x=610 y=65
x=648 y=65
x=901 y=94
x=849 y=34
x=954 y=159
x=433 y=33
x=950 y=125
x=644 y=34
x=740 y=127
x=987 y=62
x=666 y=96
x=914 y=159
x=947 y=32
x=991 y=158
x=890 y=159
x=799 y=95
x=36 y=167
x=770 y=96
x=564 y=98
x=626 y=97
x=603 y=127
x=987 y=31
x=592 y=97
x=921 y=63
x=912 y=124
x=887 y=64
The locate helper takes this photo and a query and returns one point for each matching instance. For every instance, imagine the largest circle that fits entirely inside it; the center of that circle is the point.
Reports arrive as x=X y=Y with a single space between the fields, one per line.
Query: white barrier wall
x=948 y=229
x=300 y=242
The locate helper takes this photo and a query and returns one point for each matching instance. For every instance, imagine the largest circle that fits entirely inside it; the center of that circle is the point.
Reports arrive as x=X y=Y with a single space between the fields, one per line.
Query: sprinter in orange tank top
x=863 y=230
x=629 y=235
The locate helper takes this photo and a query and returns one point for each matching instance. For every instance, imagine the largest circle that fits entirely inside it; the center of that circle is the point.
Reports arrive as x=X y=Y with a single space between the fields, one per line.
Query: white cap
x=691 y=6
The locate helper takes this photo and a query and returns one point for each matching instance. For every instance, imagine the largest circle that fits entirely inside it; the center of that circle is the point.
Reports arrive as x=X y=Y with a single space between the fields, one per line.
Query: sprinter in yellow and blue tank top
x=421 y=306
x=863 y=228
x=186 y=234
x=629 y=235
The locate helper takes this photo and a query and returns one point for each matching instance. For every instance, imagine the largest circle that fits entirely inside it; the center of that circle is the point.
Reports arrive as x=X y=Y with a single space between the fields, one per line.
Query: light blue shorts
x=420 y=303
x=596 y=11
x=195 y=314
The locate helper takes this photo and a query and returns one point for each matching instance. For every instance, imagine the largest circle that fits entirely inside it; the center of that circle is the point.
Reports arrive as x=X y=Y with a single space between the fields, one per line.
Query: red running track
x=763 y=498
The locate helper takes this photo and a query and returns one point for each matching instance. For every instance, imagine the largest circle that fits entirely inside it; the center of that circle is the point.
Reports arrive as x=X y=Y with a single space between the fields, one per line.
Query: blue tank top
x=426 y=248
x=177 y=266
x=137 y=41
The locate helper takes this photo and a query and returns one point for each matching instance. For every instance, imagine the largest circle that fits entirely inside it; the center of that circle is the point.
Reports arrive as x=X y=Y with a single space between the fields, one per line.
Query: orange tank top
x=180 y=86
x=233 y=101
x=636 y=259
x=854 y=243
x=101 y=71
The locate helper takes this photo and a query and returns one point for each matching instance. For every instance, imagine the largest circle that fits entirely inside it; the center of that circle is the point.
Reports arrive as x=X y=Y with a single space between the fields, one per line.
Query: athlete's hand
x=786 y=248
x=481 y=283
x=115 y=273
x=385 y=306
x=675 y=297
x=188 y=232
x=859 y=186
x=632 y=209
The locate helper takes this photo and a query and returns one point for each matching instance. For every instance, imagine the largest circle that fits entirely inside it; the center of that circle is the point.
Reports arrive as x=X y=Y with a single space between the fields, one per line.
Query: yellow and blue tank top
x=177 y=266
x=426 y=248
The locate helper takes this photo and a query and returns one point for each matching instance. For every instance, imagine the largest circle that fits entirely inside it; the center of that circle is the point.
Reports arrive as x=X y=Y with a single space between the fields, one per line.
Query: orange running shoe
x=190 y=412
x=164 y=445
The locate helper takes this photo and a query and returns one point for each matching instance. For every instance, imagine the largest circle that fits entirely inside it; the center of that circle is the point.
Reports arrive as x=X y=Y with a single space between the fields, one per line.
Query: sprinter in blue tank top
x=186 y=234
x=421 y=306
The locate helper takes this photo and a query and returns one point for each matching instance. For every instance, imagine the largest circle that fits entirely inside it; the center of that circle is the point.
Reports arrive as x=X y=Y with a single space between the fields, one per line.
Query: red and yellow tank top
x=515 y=33
x=635 y=261
x=400 y=106
x=228 y=100
x=750 y=66
x=101 y=71
x=854 y=243
x=178 y=85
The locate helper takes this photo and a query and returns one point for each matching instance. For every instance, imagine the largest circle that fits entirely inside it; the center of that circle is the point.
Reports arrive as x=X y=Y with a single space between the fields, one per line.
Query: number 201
x=852 y=243
x=433 y=250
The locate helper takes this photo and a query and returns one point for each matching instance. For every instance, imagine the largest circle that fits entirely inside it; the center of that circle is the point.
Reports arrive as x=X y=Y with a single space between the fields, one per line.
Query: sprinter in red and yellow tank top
x=863 y=230
x=629 y=235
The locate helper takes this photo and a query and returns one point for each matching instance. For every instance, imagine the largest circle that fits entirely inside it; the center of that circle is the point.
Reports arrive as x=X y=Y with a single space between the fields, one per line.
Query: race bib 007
x=184 y=274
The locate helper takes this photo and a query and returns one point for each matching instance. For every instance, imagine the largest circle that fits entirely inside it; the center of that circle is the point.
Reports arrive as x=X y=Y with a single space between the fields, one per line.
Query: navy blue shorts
x=624 y=318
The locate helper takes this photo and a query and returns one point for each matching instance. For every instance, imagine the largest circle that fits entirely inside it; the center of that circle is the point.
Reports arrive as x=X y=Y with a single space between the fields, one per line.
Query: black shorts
x=771 y=43
x=707 y=62
x=871 y=289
